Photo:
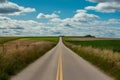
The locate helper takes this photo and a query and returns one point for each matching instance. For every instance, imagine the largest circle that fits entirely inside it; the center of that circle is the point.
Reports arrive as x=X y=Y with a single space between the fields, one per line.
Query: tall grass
x=107 y=60
x=12 y=63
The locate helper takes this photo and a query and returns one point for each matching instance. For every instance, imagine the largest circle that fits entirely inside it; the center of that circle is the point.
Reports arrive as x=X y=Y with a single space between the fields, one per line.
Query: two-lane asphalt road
x=61 y=63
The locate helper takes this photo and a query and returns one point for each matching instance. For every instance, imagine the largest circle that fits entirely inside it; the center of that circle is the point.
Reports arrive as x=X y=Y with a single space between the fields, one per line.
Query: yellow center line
x=59 y=75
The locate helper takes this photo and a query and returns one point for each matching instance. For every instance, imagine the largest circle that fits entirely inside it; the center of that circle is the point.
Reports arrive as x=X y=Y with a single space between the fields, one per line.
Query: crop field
x=7 y=39
x=102 y=43
x=53 y=39
x=28 y=50
x=88 y=38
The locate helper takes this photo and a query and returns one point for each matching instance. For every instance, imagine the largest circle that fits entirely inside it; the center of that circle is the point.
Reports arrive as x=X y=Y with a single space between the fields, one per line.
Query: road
x=61 y=63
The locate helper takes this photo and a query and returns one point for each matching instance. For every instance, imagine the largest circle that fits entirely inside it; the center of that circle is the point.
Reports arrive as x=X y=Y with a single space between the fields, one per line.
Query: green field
x=7 y=39
x=103 y=44
x=53 y=39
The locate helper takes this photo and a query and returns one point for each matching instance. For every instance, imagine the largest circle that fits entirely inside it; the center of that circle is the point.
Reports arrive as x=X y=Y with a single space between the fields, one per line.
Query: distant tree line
x=89 y=36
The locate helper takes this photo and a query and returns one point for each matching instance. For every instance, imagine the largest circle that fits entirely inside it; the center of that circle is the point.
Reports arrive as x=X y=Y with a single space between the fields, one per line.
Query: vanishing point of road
x=61 y=63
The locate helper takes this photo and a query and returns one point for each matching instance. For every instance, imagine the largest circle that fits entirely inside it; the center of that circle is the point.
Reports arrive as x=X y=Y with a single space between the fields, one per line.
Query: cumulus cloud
x=57 y=20
x=75 y=25
x=48 y=16
x=12 y=8
x=113 y=21
x=105 y=6
x=83 y=23
x=82 y=15
x=4 y=18
x=23 y=27
x=81 y=18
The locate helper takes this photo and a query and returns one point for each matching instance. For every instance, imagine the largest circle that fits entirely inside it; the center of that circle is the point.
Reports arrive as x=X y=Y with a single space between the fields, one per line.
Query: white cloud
x=105 y=6
x=4 y=18
x=113 y=21
x=48 y=16
x=58 y=20
x=13 y=9
x=21 y=27
x=82 y=15
x=58 y=26
x=81 y=11
x=83 y=23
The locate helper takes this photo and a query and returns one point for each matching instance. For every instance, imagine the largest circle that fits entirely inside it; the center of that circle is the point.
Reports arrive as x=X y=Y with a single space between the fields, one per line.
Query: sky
x=100 y=18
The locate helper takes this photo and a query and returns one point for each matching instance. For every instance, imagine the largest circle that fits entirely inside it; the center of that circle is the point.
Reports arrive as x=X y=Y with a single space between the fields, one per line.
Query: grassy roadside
x=12 y=63
x=106 y=60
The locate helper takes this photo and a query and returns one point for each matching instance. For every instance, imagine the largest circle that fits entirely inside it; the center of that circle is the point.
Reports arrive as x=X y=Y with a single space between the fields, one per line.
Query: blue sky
x=55 y=17
x=67 y=7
